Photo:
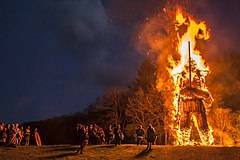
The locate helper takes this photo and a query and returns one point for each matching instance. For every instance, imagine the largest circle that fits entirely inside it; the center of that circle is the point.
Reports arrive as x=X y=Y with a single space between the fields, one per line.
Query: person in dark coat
x=118 y=135
x=151 y=136
x=140 y=135
x=82 y=138
x=91 y=135
x=109 y=134
x=77 y=134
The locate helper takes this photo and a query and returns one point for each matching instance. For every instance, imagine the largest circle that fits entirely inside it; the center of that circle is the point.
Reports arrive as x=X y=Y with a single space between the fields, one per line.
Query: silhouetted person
x=96 y=138
x=8 y=134
x=109 y=134
x=150 y=136
x=21 y=136
x=140 y=134
x=37 y=138
x=2 y=128
x=87 y=137
x=82 y=139
x=118 y=135
x=13 y=133
x=27 y=136
x=77 y=133
x=4 y=137
x=101 y=135
x=17 y=135
x=91 y=135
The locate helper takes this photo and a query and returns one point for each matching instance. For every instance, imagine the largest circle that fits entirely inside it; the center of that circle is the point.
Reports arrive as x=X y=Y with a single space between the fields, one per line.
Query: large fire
x=191 y=96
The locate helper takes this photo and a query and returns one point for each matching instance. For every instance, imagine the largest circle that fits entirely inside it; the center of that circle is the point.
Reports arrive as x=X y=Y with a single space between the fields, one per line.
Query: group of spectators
x=95 y=135
x=151 y=136
x=13 y=135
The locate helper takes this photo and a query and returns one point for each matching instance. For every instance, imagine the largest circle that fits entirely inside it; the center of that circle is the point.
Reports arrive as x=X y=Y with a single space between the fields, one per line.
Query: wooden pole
x=189 y=57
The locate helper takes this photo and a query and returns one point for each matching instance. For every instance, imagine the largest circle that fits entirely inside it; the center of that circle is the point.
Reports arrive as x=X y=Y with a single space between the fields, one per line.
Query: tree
x=146 y=108
x=235 y=133
x=222 y=125
x=145 y=78
x=145 y=103
x=225 y=73
x=112 y=105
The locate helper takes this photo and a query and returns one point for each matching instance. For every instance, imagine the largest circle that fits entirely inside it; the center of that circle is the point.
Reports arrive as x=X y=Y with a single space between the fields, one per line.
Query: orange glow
x=189 y=77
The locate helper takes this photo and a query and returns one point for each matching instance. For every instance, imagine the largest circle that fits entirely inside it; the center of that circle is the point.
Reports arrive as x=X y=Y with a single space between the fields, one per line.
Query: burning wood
x=192 y=98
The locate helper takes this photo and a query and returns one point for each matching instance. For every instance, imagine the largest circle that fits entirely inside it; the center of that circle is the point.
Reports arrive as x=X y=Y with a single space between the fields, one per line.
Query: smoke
x=221 y=17
x=125 y=13
x=223 y=50
x=224 y=80
x=157 y=38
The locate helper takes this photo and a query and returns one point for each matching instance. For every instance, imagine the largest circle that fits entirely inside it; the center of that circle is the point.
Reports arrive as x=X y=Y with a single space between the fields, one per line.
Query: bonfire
x=192 y=99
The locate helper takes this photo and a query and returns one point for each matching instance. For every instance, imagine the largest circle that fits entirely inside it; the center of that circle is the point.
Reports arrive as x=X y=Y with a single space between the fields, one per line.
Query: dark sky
x=57 y=56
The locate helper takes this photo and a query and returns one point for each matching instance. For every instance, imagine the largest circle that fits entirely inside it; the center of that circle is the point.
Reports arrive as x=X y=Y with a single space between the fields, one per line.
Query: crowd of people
x=95 y=135
x=13 y=135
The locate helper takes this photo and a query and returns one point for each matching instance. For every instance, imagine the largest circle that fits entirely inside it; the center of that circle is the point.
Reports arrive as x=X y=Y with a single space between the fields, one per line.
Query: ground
x=127 y=151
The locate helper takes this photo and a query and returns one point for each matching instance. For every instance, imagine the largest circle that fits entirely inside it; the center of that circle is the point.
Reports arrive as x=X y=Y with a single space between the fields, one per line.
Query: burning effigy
x=191 y=96
x=174 y=36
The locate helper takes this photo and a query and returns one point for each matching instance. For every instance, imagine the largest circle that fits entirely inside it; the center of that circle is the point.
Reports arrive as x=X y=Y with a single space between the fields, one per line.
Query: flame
x=189 y=79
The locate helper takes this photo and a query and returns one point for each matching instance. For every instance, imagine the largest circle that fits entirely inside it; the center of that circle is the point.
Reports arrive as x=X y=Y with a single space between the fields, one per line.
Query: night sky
x=57 y=56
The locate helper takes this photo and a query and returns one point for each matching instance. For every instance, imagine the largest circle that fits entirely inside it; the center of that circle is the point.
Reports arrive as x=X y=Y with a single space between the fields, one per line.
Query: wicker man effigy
x=193 y=101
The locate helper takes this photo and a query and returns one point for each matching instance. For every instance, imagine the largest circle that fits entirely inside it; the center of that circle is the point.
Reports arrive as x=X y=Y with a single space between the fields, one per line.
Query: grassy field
x=68 y=152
